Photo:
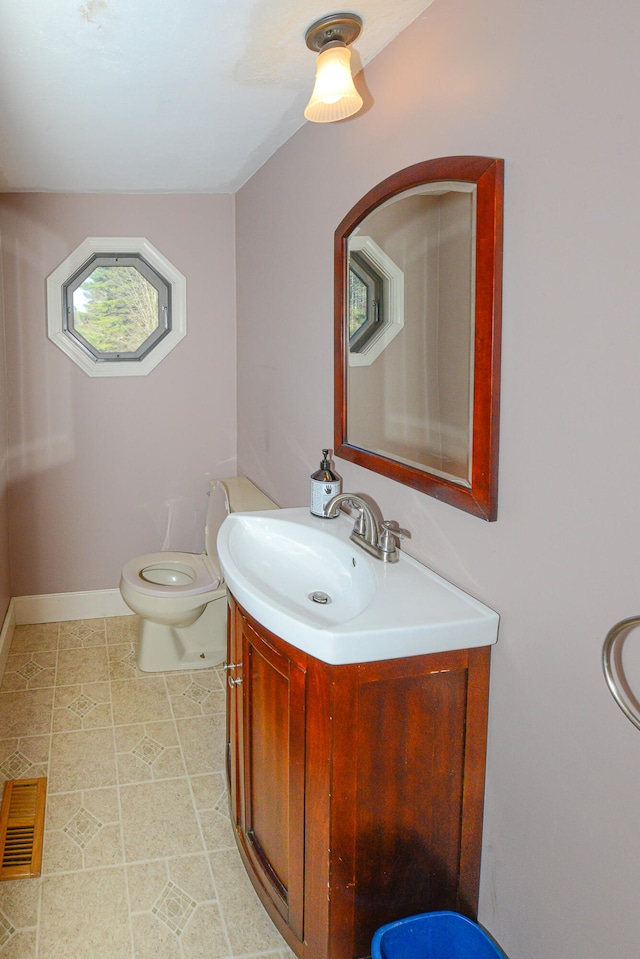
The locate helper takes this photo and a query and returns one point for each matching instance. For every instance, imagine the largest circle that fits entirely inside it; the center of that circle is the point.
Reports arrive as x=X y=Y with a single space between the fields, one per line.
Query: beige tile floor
x=139 y=856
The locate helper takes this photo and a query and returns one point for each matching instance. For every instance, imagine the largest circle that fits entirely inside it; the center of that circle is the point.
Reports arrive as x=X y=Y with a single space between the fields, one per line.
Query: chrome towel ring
x=614 y=673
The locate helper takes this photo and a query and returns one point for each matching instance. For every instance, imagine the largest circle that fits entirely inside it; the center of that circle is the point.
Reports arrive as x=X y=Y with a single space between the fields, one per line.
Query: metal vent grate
x=22 y=828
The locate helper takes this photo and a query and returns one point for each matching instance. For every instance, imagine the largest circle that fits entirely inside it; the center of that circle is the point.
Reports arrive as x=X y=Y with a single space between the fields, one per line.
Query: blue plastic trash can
x=434 y=935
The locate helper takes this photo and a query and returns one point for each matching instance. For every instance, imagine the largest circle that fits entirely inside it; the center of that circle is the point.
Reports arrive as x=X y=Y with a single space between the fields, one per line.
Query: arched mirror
x=418 y=277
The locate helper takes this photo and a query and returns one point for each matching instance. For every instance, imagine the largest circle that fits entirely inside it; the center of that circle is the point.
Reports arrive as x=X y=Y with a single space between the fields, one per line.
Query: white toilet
x=180 y=597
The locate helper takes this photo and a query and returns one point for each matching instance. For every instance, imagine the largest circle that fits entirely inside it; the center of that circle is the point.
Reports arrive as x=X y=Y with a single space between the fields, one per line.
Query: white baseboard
x=6 y=635
x=58 y=608
x=61 y=607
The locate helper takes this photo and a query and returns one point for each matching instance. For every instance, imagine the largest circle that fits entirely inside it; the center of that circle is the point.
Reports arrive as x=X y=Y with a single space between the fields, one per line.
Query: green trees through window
x=366 y=289
x=358 y=296
x=115 y=309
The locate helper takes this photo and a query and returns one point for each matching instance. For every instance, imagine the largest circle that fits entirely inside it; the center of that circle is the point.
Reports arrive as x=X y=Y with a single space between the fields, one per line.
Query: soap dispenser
x=325 y=484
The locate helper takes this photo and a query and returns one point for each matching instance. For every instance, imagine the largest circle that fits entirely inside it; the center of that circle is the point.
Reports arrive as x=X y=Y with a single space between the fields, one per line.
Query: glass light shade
x=334 y=96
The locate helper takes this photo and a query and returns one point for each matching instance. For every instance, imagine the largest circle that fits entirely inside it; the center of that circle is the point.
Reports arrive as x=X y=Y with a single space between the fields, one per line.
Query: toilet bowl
x=180 y=597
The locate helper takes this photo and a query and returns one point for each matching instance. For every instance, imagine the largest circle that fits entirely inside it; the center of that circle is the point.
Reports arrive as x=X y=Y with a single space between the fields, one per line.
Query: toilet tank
x=236 y=494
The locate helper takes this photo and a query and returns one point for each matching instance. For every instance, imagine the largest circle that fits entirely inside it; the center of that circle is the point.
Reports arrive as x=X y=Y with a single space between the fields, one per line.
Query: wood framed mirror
x=418 y=284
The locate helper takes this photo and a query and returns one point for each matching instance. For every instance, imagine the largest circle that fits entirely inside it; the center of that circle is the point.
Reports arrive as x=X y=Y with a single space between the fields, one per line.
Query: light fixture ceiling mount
x=334 y=96
x=344 y=27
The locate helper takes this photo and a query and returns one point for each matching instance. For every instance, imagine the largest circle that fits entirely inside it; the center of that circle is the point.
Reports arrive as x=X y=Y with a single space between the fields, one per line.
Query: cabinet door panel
x=273 y=772
x=408 y=798
x=268 y=735
x=408 y=740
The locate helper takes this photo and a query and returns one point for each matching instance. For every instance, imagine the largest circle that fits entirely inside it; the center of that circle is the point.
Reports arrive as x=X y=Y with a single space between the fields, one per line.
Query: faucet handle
x=390 y=535
x=360 y=521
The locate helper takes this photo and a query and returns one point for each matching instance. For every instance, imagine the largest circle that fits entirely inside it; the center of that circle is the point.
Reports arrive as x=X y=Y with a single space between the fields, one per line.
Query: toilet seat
x=180 y=598
x=193 y=574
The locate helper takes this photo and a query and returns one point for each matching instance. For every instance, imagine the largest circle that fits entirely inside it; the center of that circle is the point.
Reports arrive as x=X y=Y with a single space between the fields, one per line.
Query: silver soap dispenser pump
x=324 y=485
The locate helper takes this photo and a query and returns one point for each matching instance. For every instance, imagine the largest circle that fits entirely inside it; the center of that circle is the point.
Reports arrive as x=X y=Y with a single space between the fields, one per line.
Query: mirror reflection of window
x=375 y=301
x=366 y=312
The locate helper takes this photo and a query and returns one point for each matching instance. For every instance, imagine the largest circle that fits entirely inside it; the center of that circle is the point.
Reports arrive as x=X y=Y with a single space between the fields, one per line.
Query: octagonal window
x=116 y=306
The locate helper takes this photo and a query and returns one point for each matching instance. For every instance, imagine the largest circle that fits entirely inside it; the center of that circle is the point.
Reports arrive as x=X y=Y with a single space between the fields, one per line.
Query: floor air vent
x=22 y=828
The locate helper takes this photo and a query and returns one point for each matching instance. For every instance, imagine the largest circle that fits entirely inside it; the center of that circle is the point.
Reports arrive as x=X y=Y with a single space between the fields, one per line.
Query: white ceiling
x=140 y=96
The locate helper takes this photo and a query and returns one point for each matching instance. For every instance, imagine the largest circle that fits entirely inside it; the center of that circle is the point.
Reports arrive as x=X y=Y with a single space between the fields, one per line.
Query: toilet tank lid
x=242 y=495
x=236 y=494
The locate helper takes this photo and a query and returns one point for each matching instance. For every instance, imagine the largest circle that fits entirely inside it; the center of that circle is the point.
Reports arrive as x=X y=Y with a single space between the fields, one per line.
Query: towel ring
x=616 y=680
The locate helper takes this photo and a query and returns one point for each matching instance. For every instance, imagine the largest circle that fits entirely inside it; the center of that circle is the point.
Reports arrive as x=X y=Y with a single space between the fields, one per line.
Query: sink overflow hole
x=319 y=597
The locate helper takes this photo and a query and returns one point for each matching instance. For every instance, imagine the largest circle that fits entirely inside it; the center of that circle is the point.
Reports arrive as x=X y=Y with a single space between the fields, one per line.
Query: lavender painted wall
x=102 y=469
x=553 y=88
x=5 y=580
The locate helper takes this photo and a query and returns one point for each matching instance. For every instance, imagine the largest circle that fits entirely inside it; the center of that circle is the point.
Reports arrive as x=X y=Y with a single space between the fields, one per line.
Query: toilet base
x=163 y=648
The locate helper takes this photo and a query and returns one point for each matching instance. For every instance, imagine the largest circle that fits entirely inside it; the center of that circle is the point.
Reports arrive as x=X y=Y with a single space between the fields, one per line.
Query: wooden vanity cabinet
x=356 y=791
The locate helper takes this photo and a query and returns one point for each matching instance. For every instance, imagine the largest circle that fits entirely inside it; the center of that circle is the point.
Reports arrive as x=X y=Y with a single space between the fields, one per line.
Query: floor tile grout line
x=199 y=822
x=120 y=818
x=149 y=911
x=222 y=911
x=115 y=785
x=41 y=879
x=115 y=866
x=186 y=776
x=119 y=785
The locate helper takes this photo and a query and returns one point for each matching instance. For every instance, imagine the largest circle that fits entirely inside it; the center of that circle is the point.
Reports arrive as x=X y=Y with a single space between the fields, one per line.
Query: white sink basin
x=281 y=565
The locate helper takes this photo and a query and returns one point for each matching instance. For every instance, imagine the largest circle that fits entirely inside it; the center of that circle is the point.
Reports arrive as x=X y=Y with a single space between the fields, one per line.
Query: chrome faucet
x=378 y=537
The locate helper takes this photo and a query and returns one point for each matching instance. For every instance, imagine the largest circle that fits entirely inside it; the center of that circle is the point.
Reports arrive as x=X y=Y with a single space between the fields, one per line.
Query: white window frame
x=111 y=365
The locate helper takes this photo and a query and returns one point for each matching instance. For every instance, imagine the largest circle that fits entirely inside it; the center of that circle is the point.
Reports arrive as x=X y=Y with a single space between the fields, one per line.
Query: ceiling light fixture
x=334 y=96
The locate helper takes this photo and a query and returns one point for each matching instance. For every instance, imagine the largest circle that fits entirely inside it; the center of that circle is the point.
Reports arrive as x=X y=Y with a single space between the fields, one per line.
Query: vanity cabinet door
x=407 y=793
x=357 y=790
x=267 y=773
